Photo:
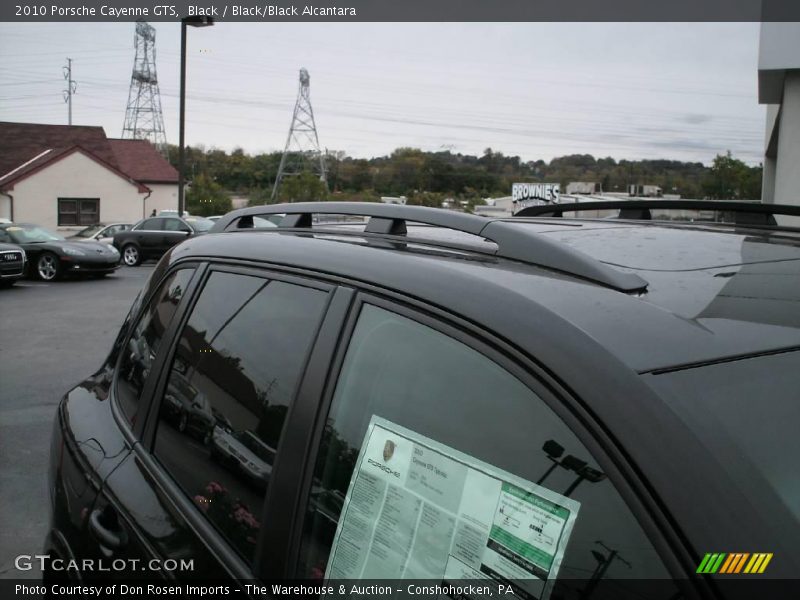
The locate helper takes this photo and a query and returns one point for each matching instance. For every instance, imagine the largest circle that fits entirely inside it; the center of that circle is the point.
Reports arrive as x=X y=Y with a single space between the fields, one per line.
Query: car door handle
x=111 y=537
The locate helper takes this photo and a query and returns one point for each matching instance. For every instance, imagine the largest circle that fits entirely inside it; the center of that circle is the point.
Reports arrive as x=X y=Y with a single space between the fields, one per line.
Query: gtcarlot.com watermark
x=26 y=562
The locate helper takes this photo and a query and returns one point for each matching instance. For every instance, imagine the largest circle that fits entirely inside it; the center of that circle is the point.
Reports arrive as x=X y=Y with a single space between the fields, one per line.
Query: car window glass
x=145 y=340
x=151 y=225
x=175 y=225
x=234 y=374
x=440 y=389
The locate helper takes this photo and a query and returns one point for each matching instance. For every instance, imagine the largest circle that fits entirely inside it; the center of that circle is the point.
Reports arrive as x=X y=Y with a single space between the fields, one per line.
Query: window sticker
x=417 y=509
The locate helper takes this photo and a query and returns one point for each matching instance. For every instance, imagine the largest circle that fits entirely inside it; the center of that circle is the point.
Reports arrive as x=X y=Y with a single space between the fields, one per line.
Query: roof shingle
x=22 y=142
x=141 y=160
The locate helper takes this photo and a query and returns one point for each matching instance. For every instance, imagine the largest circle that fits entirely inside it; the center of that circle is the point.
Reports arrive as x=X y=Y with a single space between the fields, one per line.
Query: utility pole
x=603 y=563
x=71 y=88
x=302 y=152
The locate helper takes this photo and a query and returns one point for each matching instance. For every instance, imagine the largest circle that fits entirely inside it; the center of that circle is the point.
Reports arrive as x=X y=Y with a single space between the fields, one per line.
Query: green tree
x=305 y=187
x=730 y=178
x=206 y=197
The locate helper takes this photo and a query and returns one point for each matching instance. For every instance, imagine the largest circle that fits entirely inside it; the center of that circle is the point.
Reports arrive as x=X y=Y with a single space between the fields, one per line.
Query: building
x=65 y=177
x=779 y=89
x=645 y=191
x=584 y=187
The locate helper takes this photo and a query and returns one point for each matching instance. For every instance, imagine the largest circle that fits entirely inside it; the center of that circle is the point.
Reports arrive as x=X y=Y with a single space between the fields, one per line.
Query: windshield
x=26 y=234
x=199 y=224
x=89 y=231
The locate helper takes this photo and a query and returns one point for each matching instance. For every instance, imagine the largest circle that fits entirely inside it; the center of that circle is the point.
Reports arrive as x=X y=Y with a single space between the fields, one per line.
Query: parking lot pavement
x=52 y=336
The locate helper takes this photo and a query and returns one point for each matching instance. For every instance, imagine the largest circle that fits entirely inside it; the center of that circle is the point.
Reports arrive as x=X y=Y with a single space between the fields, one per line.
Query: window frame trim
x=145 y=449
x=77 y=212
x=658 y=527
x=134 y=432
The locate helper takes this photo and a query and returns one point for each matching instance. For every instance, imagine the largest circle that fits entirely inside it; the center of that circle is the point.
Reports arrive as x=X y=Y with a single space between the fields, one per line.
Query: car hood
x=88 y=247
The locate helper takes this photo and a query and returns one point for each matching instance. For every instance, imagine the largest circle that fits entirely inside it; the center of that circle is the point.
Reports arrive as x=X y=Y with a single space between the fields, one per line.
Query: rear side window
x=142 y=347
x=437 y=463
x=151 y=225
x=175 y=225
x=233 y=378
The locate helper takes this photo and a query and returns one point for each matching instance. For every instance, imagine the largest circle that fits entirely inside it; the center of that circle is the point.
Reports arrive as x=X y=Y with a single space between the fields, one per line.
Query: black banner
x=403 y=11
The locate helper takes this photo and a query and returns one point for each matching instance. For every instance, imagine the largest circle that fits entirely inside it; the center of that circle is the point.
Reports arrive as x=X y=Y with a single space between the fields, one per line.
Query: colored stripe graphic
x=703 y=563
x=726 y=565
x=734 y=563
x=713 y=568
x=764 y=564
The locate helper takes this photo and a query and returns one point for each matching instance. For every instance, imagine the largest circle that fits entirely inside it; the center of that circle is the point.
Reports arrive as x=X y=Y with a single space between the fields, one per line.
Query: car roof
x=713 y=292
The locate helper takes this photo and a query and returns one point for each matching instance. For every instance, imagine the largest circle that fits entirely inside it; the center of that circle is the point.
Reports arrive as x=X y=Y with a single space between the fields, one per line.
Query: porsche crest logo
x=388 y=450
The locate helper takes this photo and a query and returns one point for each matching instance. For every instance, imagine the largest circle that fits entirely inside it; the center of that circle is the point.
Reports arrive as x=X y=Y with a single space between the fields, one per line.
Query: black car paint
x=581 y=366
x=153 y=243
x=95 y=257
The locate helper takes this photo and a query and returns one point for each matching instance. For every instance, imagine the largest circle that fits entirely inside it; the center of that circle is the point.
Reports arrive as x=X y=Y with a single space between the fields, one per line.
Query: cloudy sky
x=537 y=90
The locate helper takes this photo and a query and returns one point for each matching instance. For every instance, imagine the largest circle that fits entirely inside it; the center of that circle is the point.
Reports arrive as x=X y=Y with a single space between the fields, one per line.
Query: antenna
x=302 y=152
x=71 y=89
x=144 y=119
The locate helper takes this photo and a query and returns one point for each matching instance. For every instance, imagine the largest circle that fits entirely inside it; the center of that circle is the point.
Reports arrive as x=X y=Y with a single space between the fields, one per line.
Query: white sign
x=417 y=509
x=524 y=195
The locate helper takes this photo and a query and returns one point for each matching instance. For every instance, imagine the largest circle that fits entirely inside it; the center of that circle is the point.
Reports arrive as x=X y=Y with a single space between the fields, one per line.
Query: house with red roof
x=66 y=177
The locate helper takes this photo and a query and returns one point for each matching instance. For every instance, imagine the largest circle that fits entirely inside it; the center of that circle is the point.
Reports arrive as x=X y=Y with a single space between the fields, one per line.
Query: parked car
x=12 y=262
x=100 y=232
x=50 y=256
x=151 y=238
x=187 y=409
x=244 y=453
x=576 y=407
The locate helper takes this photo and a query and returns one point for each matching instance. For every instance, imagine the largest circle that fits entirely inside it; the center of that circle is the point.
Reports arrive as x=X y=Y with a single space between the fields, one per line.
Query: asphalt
x=52 y=335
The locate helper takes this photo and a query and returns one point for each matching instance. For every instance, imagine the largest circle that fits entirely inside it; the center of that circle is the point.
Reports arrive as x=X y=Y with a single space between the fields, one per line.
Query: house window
x=78 y=211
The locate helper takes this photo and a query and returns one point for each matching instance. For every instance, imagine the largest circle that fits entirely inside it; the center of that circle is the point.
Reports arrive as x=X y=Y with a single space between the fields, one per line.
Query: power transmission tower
x=302 y=152
x=144 y=119
x=71 y=88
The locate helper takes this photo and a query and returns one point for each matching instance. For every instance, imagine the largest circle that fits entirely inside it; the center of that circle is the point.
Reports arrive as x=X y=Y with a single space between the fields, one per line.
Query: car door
x=190 y=500
x=127 y=381
x=437 y=457
x=175 y=231
x=148 y=236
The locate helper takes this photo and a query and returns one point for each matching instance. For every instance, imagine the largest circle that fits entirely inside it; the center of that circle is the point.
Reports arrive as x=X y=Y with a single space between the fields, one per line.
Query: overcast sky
x=677 y=91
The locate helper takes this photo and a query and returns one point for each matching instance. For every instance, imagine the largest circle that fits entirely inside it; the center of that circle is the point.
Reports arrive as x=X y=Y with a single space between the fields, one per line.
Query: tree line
x=428 y=178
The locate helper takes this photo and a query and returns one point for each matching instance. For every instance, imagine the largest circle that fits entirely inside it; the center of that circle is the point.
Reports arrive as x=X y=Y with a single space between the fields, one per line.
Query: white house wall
x=163 y=197
x=75 y=176
x=5 y=206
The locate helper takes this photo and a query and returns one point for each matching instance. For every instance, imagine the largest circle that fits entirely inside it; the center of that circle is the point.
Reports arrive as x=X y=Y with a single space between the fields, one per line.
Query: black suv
x=569 y=406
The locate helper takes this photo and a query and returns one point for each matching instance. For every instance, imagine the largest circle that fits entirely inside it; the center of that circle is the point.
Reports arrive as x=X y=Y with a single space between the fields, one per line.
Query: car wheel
x=131 y=256
x=48 y=267
x=183 y=422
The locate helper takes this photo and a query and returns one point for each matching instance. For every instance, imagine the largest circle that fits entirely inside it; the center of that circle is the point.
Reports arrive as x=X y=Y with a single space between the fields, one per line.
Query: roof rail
x=513 y=241
x=746 y=213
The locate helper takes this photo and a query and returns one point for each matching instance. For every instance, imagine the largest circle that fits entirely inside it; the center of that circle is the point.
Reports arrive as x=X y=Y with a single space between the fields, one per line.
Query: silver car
x=100 y=232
